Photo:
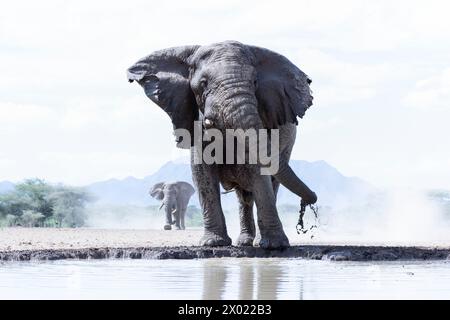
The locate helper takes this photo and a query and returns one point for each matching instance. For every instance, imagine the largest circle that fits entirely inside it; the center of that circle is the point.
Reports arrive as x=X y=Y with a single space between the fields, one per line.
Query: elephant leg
x=275 y=187
x=177 y=220
x=206 y=179
x=182 y=216
x=246 y=219
x=168 y=225
x=270 y=227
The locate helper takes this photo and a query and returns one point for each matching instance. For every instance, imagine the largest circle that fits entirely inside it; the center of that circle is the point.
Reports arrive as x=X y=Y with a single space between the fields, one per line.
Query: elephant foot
x=210 y=239
x=274 y=240
x=167 y=227
x=257 y=240
x=245 y=240
x=177 y=228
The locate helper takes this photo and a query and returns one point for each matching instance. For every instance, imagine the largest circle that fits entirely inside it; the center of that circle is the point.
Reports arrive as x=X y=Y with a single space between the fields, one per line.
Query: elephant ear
x=283 y=91
x=164 y=75
x=157 y=191
x=186 y=188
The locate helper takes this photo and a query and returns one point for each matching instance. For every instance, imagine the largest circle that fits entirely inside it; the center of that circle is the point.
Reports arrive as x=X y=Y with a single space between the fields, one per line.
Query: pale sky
x=380 y=70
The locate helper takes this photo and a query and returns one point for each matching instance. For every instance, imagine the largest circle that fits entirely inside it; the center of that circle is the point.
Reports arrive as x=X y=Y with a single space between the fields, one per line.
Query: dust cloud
x=393 y=217
x=390 y=217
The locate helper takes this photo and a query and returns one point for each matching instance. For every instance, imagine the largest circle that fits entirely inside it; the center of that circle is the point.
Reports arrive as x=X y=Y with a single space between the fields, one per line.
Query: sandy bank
x=13 y=239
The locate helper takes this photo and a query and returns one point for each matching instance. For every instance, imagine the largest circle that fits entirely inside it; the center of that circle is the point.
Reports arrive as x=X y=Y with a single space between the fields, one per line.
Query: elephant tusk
x=208 y=123
x=174 y=210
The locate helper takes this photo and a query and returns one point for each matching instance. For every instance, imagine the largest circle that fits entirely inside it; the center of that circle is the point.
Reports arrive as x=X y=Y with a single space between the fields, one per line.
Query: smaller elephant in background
x=175 y=199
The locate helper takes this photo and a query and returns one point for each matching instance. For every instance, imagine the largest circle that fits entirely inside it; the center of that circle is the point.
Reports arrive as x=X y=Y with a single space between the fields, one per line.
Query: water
x=225 y=278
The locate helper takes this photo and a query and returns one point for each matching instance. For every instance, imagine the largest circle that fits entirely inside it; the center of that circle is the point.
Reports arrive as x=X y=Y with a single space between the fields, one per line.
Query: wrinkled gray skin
x=230 y=85
x=175 y=199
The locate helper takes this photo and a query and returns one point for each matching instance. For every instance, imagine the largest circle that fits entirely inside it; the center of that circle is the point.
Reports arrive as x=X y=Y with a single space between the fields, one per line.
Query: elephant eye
x=203 y=83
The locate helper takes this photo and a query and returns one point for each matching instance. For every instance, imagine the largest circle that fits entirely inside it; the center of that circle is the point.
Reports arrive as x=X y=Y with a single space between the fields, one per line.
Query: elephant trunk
x=170 y=207
x=287 y=177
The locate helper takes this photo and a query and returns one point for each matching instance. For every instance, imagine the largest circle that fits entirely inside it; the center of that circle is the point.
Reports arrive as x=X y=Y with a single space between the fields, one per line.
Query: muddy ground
x=52 y=244
x=318 y=252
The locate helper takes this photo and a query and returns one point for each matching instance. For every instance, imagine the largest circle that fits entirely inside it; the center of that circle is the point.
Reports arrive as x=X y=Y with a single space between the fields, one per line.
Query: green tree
x=11 y=220
x=13 y=204
x=31 y=218
x=32 y=194
x=35 y=203
x=68 y=205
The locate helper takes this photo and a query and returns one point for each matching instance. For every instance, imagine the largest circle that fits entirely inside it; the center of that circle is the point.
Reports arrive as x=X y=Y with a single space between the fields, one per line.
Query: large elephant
x=175 y=199
x=230 y=85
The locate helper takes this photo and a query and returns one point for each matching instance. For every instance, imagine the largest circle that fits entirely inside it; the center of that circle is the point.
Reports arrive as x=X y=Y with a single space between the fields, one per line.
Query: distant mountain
x=6 y=186
x=135 y=191
x=329 y=184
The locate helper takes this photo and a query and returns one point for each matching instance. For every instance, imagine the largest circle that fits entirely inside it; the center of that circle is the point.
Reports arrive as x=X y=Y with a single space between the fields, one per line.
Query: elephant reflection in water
x=256 y=280
x=246 y=280
x=214 y=279
x=268 y=281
